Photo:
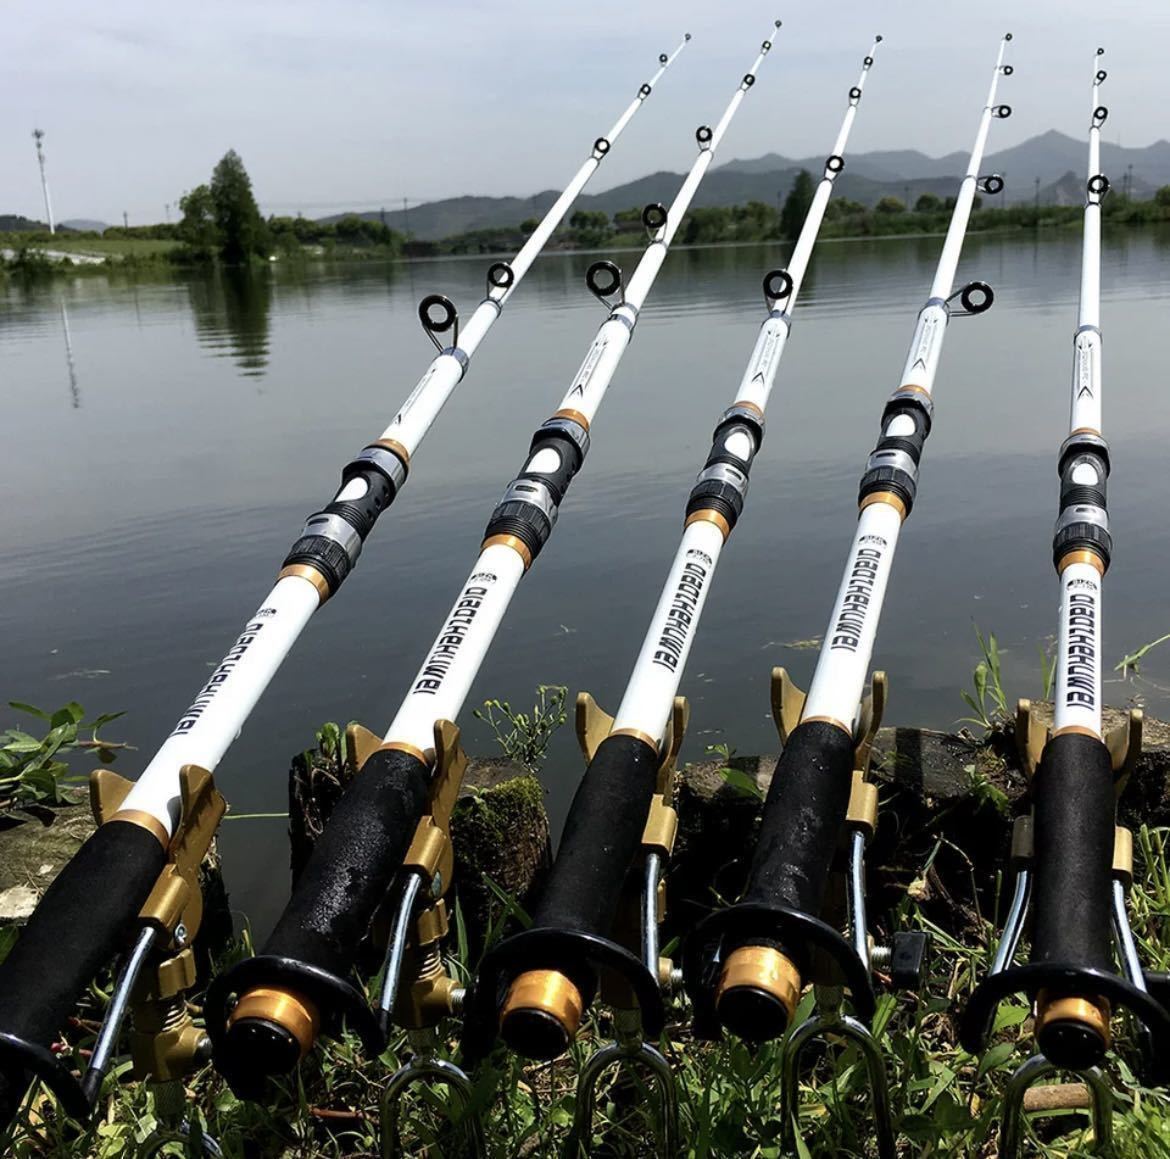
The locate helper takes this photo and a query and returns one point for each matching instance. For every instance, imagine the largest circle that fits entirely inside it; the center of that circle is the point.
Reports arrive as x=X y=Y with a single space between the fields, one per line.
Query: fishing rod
x=745 y=966
x=1073 y=864
x=537 y=985
x=89 y=912
x=375 y=843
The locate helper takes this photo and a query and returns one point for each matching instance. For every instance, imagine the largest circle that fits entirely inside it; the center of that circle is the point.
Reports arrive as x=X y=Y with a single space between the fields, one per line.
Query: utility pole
x=167 y=211
x=1128 y=182
x=125 y=220
x=39 y=136
x=1037 y=196
x=405 y=217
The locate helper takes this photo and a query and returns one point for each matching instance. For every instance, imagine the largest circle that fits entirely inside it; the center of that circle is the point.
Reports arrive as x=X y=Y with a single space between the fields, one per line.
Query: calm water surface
x=158 y=464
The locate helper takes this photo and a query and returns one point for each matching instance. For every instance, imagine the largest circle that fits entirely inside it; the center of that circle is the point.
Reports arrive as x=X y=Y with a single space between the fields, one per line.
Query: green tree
x=796 y=204
x=1162 y=197
x=198 y=228
x=528 y=225
x=890 y=205
x=928 y=203
x=243 y=234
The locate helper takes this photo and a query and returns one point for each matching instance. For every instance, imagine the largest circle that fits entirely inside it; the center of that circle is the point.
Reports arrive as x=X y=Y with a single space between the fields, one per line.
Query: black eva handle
x=802 y=818
x=353 y=864
x=1073 y=797
x=602 y=835
x=84 y=919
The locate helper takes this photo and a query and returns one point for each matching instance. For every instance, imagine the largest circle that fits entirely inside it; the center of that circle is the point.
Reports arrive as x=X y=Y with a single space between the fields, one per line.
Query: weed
x=31 y=771
x=525 y=736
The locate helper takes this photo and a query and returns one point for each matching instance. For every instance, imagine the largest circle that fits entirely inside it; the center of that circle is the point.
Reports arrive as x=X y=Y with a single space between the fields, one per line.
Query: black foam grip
x=353 y=863
x=1074 y=817
x=602 y=835
x=85 y=918
x=802 y=818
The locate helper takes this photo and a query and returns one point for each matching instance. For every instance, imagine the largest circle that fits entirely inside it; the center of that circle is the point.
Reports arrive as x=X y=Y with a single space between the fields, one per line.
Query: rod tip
x=877 y=39
x=1008 y=36
x=778 y=23
x=686 y=36
x=1100 y=52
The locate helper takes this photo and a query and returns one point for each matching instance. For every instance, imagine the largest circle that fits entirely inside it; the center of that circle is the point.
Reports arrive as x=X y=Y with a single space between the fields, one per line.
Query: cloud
x=377 y=101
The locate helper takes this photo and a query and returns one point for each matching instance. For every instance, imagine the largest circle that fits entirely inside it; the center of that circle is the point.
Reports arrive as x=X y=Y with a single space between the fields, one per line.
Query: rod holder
x=629 y=1049
x=1015 y=1104
x=826 y=1022
x=427 y=1068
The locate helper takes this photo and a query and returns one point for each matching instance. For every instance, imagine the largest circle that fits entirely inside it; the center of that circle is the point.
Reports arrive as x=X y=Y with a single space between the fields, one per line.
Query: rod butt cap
x=1071 y=1032
x=541 y=1014
x=757 y=993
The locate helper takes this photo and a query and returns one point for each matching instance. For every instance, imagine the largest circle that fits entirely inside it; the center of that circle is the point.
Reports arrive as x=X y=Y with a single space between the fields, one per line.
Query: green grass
x=945 y=1102
x=137 y=247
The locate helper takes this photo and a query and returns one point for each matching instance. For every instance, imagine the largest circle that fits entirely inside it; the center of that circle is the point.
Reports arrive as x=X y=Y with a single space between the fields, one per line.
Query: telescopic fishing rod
x=93 y=907
x=745 y=967
x=390 y=827
x=536 y=986
x=1073 y=864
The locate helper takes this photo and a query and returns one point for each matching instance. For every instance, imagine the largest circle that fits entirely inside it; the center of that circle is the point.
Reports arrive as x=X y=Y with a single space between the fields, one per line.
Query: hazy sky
x=358 y=103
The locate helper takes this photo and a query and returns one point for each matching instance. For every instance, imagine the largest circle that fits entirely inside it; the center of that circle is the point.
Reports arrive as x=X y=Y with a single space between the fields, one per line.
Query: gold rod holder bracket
x=593 y=724
x=1124 y=742
x=165 y=1043
x=662 y=819
x=1022 y=850
x=426 y=994
x=1123 y=856
x=360 y=745
x=431 y=853
x=1031 y=737
x=788 y=708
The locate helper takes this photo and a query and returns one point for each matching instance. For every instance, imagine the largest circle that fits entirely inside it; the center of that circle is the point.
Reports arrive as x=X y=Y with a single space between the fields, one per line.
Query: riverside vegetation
x=945 y=1102
x=222 y=223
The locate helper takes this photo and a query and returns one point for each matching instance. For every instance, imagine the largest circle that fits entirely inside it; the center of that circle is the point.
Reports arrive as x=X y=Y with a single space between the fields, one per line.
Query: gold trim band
x=575 y=415
x=144 y=820
x=307 y=571
x=887 y=497
x=706 y=515
x=637 y=734
x=749 y=406
x=514 y=542
x=1082 y=555
x=395 y=448
x=1076 y=730
x=846 y=729
x=401 y=746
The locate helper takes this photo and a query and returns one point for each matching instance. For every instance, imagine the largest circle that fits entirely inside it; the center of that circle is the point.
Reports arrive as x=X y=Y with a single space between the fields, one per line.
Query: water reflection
x=232 y=310
x=74 y=392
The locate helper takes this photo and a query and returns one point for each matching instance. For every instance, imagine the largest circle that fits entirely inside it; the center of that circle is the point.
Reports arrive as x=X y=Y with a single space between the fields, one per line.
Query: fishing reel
x=745 y=966
x=154 y=978
x=1073 y=999
x=534 y=988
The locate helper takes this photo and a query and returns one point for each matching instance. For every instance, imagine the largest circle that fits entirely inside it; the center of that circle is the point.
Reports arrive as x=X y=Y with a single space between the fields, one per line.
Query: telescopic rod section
x=745 y=967
x=300 y=984
x=1078 y=864
x=90 y=912
x=548 y=973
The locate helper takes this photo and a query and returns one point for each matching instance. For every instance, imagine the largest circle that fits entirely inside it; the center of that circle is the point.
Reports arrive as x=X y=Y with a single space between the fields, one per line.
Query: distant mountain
x=85 y=223
x=1056 y=159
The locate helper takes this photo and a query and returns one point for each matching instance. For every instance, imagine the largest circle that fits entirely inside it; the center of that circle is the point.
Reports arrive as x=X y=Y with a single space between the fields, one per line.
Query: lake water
x=158 y=465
